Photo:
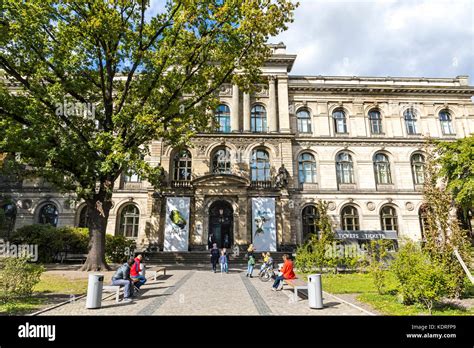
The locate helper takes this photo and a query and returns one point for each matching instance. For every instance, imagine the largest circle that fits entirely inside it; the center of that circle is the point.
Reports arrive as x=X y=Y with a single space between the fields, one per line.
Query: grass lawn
x=48 y=285
x=362 y=284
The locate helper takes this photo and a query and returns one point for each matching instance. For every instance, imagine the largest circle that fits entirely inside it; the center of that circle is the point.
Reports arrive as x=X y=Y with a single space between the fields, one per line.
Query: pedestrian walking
x=224 y=262
x=214 y=257
x=250 y=266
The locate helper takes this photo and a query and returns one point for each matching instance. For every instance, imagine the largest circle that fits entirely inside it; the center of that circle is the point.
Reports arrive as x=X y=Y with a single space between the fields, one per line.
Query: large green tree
x=88 y=85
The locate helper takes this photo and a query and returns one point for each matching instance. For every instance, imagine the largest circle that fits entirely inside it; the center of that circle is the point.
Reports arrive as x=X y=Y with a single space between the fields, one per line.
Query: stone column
x=235 y=109
x=272 y=106
x=283 y=104
x=246 y=112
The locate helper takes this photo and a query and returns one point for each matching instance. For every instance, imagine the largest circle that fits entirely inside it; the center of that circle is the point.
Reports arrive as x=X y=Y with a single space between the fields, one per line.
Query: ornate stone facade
x=355 y=134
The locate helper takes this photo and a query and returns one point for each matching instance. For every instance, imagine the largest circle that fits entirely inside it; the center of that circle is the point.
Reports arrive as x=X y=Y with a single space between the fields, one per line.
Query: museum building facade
x=355 y=142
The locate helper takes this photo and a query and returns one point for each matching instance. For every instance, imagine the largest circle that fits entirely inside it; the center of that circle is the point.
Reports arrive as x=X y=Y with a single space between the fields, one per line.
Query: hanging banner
x=177 y=224
x=263 y=224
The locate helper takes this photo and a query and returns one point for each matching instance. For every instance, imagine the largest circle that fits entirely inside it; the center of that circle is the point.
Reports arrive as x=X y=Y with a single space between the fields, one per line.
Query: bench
x=296 y=284
x=113 y=288
x=156 y=270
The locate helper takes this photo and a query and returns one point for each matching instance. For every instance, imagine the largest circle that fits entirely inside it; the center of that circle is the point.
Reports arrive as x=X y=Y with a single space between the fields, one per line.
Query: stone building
x=355 y=142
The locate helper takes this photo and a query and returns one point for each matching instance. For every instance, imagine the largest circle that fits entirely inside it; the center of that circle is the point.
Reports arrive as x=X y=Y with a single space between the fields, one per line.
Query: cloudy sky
x=426 y=38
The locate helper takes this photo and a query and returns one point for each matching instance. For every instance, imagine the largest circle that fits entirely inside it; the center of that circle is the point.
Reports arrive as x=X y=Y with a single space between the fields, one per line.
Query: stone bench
x=296 y=284
x=155 y=270
x=113 y=288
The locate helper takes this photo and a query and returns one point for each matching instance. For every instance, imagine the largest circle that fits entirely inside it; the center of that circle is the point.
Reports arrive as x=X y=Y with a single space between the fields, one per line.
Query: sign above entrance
x=366 y=234
x=263 y=224
x=177 y=224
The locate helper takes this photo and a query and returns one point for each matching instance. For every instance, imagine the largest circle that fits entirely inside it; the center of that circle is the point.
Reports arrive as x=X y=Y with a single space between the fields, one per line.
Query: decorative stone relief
x=370 y=206
x=332 y=206
x=409 y=206
x=225 y=90
x=261 y=91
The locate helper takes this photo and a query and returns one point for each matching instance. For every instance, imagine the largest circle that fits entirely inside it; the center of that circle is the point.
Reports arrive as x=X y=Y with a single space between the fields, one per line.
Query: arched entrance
x=221 y=220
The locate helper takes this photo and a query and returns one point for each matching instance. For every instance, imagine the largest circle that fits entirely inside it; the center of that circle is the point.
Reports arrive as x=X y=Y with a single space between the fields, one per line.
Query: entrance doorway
x=221 y=221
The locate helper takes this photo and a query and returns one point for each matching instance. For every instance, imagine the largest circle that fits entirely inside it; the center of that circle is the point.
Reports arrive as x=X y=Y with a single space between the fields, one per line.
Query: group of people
x=131 y=276
x=221 y=257
x=285 y=272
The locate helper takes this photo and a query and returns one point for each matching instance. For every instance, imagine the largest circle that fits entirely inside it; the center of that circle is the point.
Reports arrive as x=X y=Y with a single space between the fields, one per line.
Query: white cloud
x=383 y=38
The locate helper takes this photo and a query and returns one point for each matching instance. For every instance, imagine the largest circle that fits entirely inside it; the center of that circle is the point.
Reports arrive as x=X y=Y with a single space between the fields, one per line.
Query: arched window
x=223 y=118
x=382 y=169
x=310 y=216
x=83 y=215
x=182 y=166
x=446 y=124
x=344 y=168
x=260 y=166
x=258 y=119
x=388 y=218
x=9 y=213
x=48 y=215
x=340 y=124
x=221 y=163
x=349 y=218
x=307 y=168
x=375 y=120
x=423 y=218
x=418 y=168
x=410 y=121
x=304 y=121
x=129 y=220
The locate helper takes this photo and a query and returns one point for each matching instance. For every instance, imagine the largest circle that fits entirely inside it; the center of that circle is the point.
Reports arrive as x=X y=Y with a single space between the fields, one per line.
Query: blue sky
x=425 y=38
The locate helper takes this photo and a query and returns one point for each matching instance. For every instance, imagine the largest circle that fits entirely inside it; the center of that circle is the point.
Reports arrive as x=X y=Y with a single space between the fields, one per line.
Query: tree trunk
x=98 y=209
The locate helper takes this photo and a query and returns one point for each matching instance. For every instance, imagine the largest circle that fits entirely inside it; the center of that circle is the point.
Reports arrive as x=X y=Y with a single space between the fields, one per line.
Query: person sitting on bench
x=137 y=278
x=122 y=278
x=286 y=272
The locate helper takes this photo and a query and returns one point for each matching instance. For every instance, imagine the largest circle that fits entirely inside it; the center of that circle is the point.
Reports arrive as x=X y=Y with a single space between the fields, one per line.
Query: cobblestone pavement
x=202 y=292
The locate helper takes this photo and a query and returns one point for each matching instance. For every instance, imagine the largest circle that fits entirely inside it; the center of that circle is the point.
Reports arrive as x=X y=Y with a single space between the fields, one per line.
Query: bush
x=377 y=253
x=18 y=277
x=421 y=279
x=118 y=248
x=51 y=240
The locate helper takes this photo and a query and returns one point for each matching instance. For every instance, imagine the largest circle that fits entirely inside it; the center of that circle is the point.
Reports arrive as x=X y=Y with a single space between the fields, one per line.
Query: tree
x=89 y=84
x=441 y=228
x=457 y=167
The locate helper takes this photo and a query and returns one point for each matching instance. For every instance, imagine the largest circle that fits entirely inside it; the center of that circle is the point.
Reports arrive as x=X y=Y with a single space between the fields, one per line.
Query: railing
x=181 y=184
x=261 y=184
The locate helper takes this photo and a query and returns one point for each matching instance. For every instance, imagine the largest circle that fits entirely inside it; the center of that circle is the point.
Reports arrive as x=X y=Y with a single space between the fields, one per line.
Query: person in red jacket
x=137 y=278
x=286 y=273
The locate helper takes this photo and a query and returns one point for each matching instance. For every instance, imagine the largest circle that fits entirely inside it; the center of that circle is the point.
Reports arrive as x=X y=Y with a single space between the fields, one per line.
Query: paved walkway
x=202 y=292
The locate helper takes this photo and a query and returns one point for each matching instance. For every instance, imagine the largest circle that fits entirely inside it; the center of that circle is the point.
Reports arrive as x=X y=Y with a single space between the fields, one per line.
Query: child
x=251 y=264
x=265 y=261
x=223 y=262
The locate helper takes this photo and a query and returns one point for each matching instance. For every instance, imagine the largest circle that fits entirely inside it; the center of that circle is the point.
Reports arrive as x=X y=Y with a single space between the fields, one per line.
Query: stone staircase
x=200 y=258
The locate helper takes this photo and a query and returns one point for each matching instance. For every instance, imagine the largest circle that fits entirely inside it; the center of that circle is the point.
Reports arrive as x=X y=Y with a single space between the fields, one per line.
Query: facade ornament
x=331 y=206
x=389 y=200
x=225 y=90
x=282 y=178
x=409 y=206
x=370 y=206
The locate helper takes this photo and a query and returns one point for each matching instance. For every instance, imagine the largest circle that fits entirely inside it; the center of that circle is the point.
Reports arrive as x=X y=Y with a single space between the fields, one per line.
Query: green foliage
x=442 y=232
x=18 y=277
x=421 y=279
x=52 y=240
x=377 y=253
x=457 y=167
x=118 y=248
